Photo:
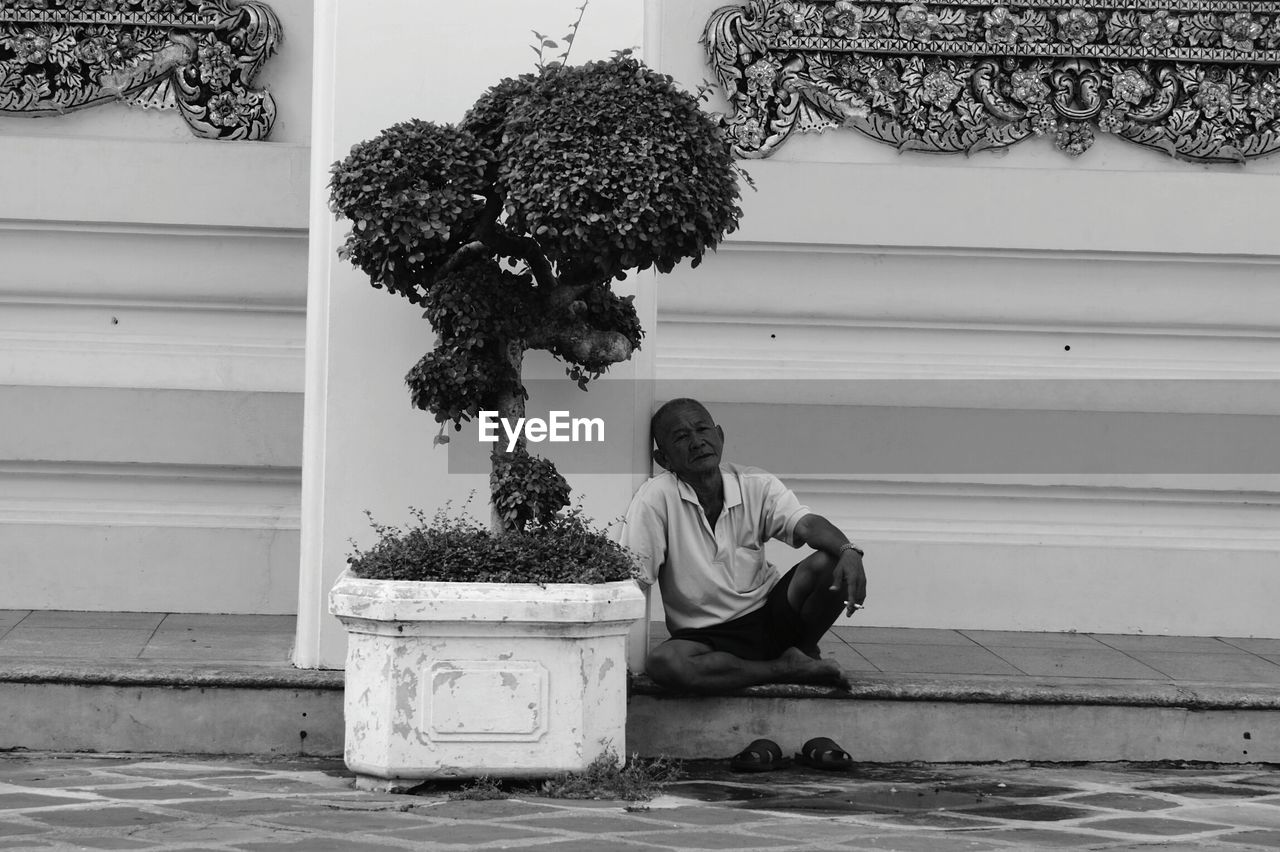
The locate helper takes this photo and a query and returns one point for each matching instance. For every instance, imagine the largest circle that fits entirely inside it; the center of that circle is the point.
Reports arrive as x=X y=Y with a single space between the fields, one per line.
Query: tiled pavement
x=132 y=802
x=146 y=637
x=1025 y=655
x=154 y=638
x=176 y=803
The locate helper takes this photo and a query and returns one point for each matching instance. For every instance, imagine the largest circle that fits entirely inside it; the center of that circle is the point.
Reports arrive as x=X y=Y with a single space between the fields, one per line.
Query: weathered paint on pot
x=467 y=679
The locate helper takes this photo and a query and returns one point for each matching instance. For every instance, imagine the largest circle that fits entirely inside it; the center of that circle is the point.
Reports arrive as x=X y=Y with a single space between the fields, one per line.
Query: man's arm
x=849 y=576
x=644 y=533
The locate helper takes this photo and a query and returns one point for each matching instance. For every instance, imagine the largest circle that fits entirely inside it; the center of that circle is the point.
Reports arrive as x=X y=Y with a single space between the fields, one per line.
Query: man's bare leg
x=682 y=664
x=810 y=595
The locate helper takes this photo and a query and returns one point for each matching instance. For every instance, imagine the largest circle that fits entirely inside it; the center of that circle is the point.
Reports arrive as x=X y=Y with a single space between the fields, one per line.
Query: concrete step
x=161 y=682
x=183 y=708
x=944 y=719
x=138 y=682
x=77 y=705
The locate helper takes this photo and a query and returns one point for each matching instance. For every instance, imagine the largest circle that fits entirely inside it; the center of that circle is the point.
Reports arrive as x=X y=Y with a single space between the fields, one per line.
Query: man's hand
x=850 y=579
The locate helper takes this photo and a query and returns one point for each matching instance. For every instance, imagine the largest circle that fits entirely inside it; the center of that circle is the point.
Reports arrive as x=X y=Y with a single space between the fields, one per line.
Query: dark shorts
x=762 y=634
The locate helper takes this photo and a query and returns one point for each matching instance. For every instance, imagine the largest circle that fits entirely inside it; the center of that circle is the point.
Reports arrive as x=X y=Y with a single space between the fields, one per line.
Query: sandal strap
x=766 y=751
x=818 y=748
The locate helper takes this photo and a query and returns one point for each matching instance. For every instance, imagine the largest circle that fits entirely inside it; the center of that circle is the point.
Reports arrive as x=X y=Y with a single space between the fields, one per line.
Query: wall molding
x=104 y=425
x=968 y=204
x=1032 y=515
x=152 y=229
x=148 y=343
x=212 y=305
x=159 y=264
x=147 y=495
x=697 y=345
x=832 y=319
x=249 y=184
x=733 y=244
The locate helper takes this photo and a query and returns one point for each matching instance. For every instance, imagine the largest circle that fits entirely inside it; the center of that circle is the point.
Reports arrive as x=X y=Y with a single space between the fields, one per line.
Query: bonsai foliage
x=563 y=549
x=509 y=229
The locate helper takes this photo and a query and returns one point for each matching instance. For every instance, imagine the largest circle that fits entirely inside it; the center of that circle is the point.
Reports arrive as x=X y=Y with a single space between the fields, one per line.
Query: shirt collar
x=732 y=489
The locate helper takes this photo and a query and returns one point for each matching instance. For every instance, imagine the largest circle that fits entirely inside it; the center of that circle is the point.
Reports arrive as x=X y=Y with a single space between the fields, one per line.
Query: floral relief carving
x=1196 y=79
x=196 y=56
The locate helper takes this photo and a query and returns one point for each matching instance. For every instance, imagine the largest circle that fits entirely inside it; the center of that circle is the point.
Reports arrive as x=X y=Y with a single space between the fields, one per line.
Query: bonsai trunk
x=510 y=407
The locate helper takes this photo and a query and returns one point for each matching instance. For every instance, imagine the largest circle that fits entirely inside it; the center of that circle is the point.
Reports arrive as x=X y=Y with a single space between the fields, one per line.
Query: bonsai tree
x=509 y=229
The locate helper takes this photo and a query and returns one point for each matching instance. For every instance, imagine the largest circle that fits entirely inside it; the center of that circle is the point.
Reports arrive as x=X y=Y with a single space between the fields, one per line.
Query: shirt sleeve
x=782 y=511
x=644 y=533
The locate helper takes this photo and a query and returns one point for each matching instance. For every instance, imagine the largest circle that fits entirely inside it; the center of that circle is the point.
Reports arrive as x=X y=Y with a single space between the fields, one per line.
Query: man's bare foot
x=803 y=669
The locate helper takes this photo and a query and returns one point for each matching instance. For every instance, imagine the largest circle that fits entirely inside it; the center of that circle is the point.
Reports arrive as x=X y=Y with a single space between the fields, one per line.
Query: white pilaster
x=365 y=447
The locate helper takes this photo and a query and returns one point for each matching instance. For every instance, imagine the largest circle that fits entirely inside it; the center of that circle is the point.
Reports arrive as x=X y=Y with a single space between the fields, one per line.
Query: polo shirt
x=708 y=576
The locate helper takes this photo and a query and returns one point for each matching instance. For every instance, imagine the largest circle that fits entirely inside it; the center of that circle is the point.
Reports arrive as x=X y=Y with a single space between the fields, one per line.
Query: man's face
x=689 y=442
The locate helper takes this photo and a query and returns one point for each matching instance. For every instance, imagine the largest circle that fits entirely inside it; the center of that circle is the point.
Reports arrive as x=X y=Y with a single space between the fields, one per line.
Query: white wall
x=863 y=269
x=855 y=263
x=366 y=447
x=152 y=320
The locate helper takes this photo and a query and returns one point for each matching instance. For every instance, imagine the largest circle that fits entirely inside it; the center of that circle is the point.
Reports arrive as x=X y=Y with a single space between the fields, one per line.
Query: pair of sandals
x=818 y=753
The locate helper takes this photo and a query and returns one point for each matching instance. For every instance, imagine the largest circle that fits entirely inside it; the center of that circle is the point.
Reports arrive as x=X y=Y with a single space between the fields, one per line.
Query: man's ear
x=720 y=430
x=660 y=457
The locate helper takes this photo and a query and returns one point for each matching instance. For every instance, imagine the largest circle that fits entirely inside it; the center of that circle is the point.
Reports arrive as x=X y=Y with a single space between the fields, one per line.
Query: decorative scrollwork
x=199 y=56
x=1196 y=79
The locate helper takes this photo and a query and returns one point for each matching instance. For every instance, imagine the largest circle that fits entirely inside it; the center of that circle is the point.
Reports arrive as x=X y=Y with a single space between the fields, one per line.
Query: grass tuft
x=638 y=781
x=481 y=789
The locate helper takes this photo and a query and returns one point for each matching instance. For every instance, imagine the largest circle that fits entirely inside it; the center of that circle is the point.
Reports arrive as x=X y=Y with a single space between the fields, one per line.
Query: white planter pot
x=469 y=679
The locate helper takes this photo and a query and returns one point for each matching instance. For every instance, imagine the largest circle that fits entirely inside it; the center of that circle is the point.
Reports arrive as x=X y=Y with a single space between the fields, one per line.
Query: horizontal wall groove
x=150 y=229
x=733 y=245
x=1033 y=535
x=180 y=268
x=102 y=361
x=699 y=343
x=71 y=300
x=135 y=513
x=898 y=514
x=955 y=204
x=160 y=347
x=703 y=364
x=138 y=495
x=151 y=343
x=174 y=426
x=163 y=183
x=1108 y=492
x=832 y=320
x=155 y=472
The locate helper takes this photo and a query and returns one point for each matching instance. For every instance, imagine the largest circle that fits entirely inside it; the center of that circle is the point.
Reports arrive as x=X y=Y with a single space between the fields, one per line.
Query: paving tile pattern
x=243 y=805
x=1058 y=658
x=184 y=639
x=147 y=637
x=239 y=805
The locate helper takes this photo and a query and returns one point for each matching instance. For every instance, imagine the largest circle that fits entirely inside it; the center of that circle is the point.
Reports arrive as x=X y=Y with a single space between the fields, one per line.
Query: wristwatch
x=849 y=546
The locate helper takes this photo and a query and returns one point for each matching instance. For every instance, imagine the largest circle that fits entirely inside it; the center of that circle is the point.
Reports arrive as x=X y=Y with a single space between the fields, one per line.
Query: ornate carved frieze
x=198 y=56
x=1196 y=80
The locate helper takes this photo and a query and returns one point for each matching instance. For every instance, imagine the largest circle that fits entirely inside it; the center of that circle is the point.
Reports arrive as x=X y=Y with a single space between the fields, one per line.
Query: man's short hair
x=668 y=407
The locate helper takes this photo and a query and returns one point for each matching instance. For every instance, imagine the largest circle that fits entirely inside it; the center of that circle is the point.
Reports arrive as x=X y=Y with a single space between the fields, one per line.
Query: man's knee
x=663 y=665
x=817 y=569
x=812 y=582
x=668 y=665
